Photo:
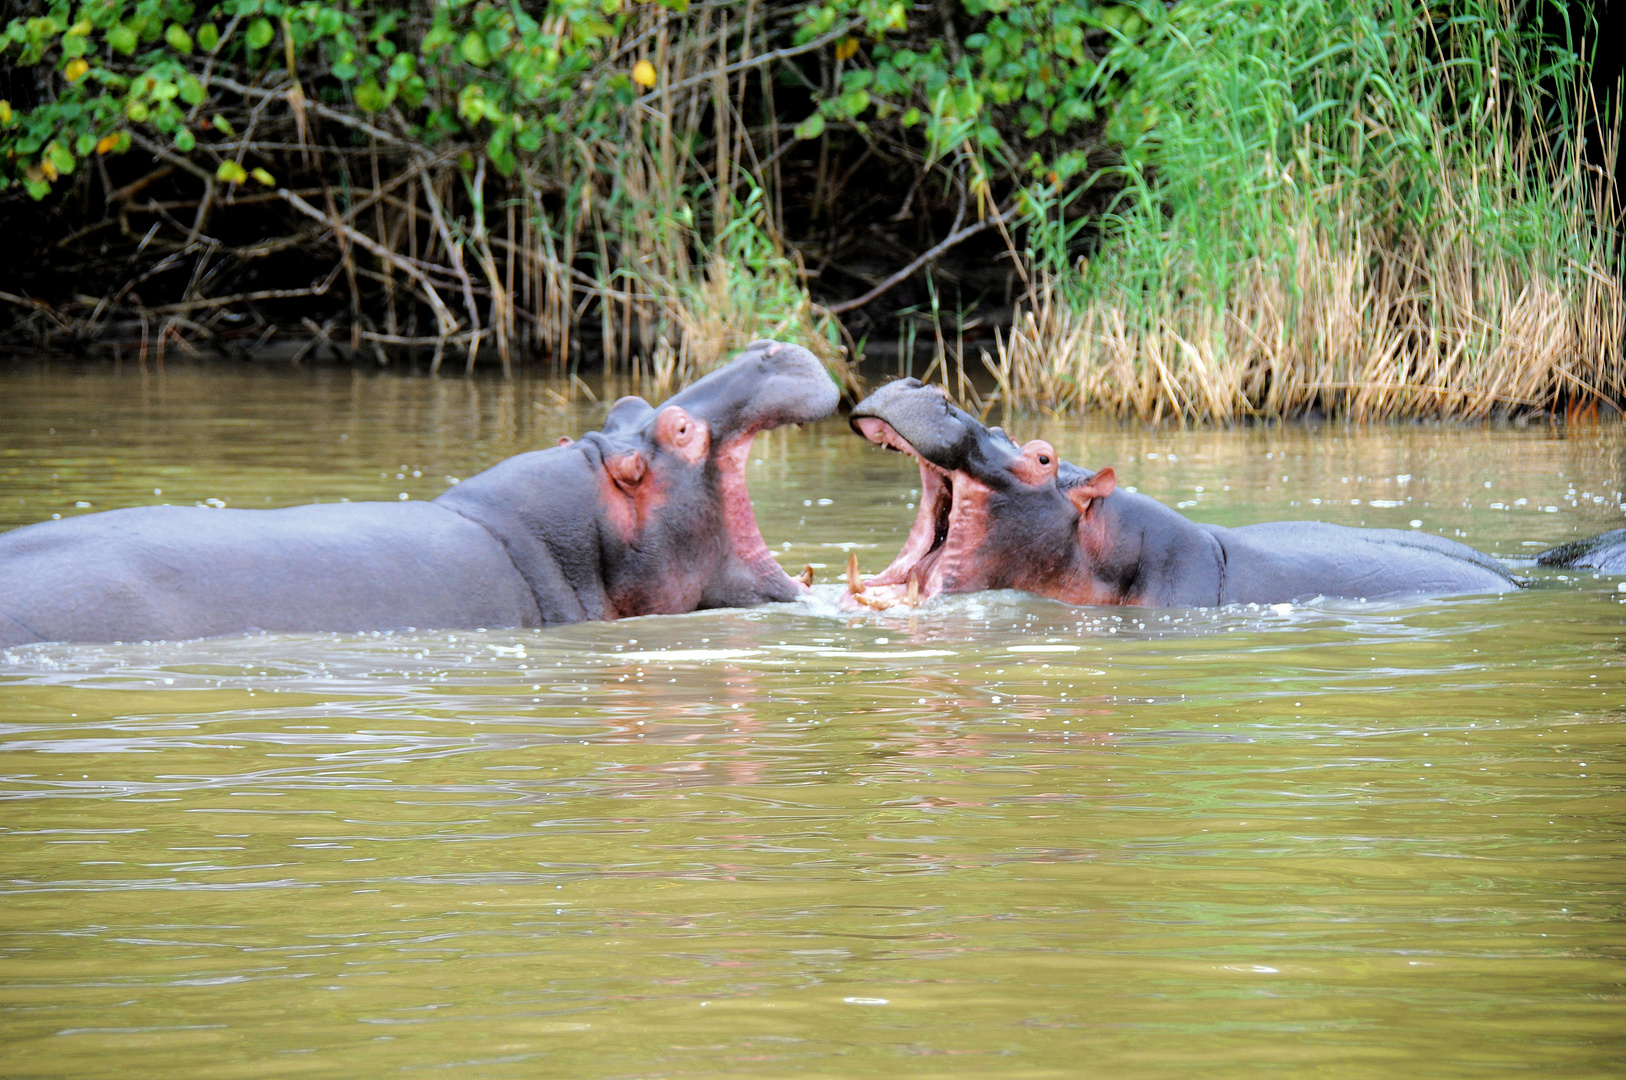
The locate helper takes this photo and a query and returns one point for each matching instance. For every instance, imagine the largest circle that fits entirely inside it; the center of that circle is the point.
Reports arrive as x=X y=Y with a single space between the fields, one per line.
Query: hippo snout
x=770 y=384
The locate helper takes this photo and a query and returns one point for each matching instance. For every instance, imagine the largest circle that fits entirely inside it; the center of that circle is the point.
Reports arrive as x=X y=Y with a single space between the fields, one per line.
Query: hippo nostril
x=626 y=469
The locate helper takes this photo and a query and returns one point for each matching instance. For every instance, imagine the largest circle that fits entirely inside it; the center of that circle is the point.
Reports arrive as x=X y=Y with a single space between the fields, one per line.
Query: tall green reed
x=1371 y=207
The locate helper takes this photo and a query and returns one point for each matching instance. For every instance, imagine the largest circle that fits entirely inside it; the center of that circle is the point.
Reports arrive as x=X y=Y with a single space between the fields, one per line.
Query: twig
x=322 y=332
x=418 y=342
x=243 y=298
x=309 y=103
x=454 y=251
x=209 y=67
x=448 y=325
x=755 y=61
x=38 y=306
x=947 y=242
x=177 y=160
x=136 y=186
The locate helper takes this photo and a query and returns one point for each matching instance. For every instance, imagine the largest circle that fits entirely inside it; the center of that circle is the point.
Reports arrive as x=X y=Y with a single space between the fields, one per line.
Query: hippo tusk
x=914 y=588
x=880 y=599
x=806 y=576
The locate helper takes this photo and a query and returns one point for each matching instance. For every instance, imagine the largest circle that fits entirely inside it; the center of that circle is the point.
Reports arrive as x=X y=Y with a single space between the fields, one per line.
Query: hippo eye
x=1044 y=459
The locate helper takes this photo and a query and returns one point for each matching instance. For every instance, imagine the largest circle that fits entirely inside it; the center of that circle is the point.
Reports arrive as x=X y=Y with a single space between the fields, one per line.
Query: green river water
x=994 y=837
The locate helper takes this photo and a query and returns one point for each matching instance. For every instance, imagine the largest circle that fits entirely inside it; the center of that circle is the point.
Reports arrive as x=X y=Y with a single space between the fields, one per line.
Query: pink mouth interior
x=739 y=519
x=927 y=536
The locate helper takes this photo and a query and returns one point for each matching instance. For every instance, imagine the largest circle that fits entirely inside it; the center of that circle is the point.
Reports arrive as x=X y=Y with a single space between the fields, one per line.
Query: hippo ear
x=627 y=414
x=565 y=440
x=1099 y=486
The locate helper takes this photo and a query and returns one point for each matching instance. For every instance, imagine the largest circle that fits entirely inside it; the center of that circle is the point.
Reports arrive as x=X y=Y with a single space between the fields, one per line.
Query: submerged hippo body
x=997 y=516
x=1605 y=554
x=650 y=515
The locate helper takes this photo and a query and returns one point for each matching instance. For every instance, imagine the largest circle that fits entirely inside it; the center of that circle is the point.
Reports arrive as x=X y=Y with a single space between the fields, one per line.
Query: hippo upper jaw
x=769 y=385
x=923 y=422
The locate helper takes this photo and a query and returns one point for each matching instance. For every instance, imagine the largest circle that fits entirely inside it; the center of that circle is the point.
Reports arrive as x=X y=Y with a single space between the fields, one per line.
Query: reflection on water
x=990 y=837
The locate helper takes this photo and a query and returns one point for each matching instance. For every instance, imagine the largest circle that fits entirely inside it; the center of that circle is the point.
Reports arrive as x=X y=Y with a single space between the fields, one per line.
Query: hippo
x=994 y=515
x=648 y=516
x=1605 y=554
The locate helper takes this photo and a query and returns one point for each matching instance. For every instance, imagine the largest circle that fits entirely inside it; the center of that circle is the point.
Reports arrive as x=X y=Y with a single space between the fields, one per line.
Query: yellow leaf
x=263 y=177
x=48 y=169
x=643 y=73
x=847 y=49
x=76 y=70
x=106 y=143
x=5 y=112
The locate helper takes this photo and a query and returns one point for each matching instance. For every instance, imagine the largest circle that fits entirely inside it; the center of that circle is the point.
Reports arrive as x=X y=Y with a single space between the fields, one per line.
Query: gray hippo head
x=651 y=515
x=993 y=515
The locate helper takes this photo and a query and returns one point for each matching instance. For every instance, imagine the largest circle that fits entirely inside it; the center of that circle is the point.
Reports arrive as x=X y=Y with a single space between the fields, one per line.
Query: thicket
x=1208 y=209
x=651 y=178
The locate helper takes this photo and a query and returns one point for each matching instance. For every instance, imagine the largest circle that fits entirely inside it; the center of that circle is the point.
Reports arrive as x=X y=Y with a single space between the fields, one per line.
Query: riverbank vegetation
x=1210 y=210
x=1366 y=209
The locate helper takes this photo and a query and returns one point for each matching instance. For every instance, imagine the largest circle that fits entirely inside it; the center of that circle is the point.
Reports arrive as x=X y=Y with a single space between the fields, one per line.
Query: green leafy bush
x=154 y=66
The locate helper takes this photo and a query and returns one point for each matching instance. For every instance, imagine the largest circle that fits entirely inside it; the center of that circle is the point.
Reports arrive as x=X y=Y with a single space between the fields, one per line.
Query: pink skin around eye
x=1037 y=465
x=677 y=431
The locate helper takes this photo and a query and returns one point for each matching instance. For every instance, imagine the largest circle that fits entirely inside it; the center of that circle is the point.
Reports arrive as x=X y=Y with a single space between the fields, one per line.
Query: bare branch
x=756 y=61
x=448 y=325
x=310 y=103
x=925 y=257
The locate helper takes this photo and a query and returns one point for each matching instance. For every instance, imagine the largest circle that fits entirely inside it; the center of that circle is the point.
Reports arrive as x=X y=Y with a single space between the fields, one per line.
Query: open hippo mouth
x=992 y=515
x=739 y=517
x=771 y=384
x=919 y=570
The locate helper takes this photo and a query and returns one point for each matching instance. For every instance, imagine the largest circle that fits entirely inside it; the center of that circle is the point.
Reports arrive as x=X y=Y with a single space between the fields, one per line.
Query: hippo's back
x=1295 y=560
x=185 y=572
x=1605 y=554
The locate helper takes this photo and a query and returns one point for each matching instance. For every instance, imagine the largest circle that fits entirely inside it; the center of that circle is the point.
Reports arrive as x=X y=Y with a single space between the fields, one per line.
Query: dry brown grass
x=670 y=310
x=1371 y=334
x=704 y=324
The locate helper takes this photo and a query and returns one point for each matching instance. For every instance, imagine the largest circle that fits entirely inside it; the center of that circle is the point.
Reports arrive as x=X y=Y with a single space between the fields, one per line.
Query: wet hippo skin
x=994 y=515
x=1605 y=554
x=650 y=515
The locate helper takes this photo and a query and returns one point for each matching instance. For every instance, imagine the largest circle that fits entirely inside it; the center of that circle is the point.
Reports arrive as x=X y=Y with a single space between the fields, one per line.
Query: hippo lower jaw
x=934 y=555
x=740 y=522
